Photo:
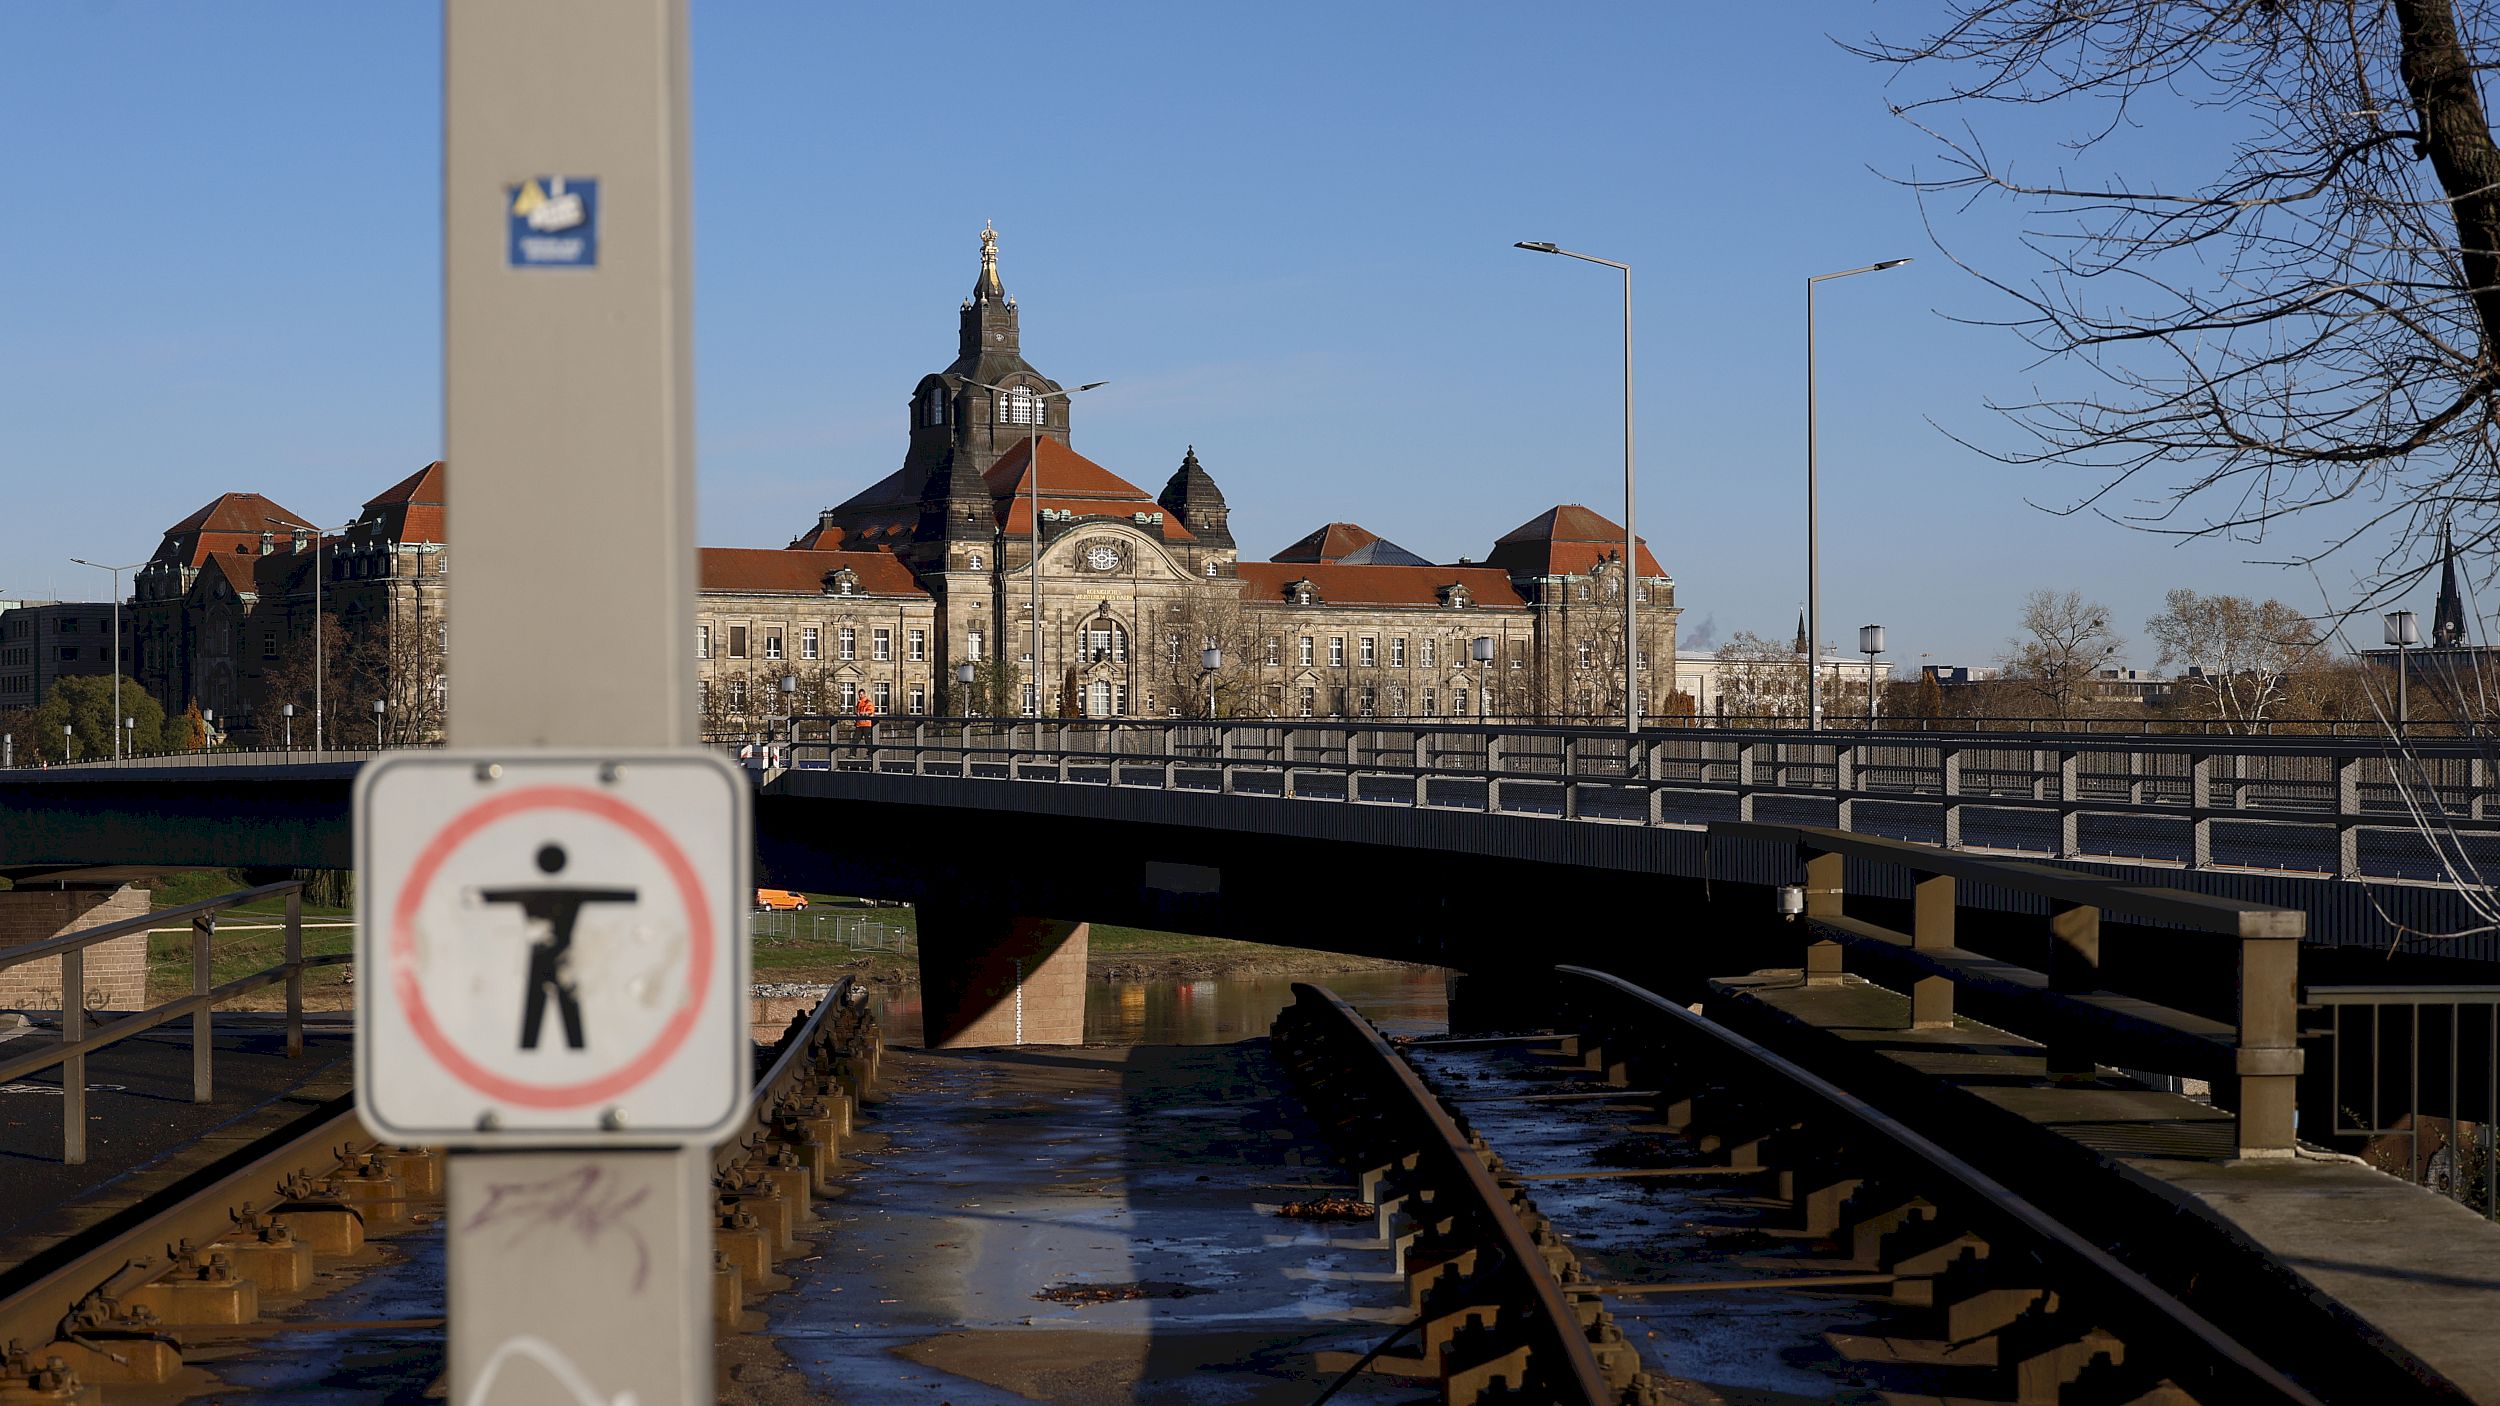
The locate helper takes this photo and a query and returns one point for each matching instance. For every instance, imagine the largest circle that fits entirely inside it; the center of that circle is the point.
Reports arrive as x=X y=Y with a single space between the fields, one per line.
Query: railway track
x=1715 y=1217
x=152 y=1302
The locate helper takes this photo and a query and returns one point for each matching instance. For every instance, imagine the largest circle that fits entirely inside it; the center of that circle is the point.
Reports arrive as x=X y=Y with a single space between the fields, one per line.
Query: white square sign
x=551 y=948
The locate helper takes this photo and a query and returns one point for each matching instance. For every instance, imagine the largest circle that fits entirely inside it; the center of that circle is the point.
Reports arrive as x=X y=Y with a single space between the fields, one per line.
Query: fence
x=69 y=1053
x=856 y=932
x=2310 y=806
x=2414 y=1071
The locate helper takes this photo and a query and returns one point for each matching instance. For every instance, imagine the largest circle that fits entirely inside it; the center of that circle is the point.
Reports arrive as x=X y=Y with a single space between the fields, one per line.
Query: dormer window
x=1303 y=592
x=842 y=581
x=1454 y=596
x=1020 y=406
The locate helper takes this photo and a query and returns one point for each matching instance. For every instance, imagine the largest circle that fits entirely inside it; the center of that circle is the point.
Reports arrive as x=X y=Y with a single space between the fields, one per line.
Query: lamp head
x=1090 y=386
x=1537 y=246
x=1892 y=263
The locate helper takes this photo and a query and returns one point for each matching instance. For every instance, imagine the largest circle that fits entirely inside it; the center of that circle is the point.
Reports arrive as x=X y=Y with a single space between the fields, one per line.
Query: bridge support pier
x=116 y=972
x=992 y=978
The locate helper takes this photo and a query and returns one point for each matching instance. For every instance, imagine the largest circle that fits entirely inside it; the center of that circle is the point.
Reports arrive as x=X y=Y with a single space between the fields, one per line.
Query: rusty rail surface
x=69 y=1053
x=2253 y=1061
x=1561 y=1361
x=2227 y=1371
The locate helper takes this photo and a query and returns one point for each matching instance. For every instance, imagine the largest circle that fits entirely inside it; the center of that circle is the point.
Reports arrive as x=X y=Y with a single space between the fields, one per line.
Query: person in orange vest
x=866 y=709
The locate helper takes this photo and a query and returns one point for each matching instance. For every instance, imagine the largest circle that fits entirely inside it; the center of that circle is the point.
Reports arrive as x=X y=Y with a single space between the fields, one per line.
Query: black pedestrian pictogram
x=558 y=908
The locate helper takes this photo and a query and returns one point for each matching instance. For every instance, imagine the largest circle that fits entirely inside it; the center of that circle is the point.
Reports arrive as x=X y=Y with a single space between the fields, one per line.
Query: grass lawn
x=812 y=951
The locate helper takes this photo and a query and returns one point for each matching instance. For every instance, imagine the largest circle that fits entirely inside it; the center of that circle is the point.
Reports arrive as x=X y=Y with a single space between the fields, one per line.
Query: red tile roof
x=785 y=571
x=1065 y=474
x=1329 y=542
x=1019 y=520
x=412 y=509
x=423 y=486
x=236 y=567
x=1378 y=585
x=819 y=538
x=230 y=520
x=1564 y=540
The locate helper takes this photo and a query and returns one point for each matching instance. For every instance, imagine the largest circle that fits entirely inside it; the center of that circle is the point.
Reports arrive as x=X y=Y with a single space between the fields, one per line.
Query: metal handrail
x=2256 y=1057
x=69 y=1053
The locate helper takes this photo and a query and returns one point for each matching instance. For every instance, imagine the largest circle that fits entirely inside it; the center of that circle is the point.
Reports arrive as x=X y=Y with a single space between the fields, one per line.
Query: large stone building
x=43 y=642
x=935 y=565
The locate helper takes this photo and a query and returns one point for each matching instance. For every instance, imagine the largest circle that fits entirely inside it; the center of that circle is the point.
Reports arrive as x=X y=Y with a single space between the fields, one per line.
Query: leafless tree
x=2244 y=653
x=2292 y=300
x=1766 y=678
x=400 y=667
x=2065 y=641
x=1187 y=628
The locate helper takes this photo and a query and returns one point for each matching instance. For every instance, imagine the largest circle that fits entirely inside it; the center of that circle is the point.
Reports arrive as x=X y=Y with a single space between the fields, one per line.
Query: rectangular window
x=1119 y=706
x=916 y=646
x=1371 y=697
x=919 y=698
x=70 y=651
x=1275 y=650
x=1306 y=655
x=1397 y=652
x=811 y=642
x=1368 y=652
x=737 y=692
x=1310 y=700
x=881 y=645
x=737 y=641
x=1458 y=702
x=1432 y=704
x=702 y=641
x=849 y=694
x=847 y=643
x=1397 y=700
x=1032 y=700
x=1172 y=649
x=972 y=644
x=1644 y=658
x=1336 y=651
x=1430 y=651
x=269 y=645
x=884 y=696
x=772 y=645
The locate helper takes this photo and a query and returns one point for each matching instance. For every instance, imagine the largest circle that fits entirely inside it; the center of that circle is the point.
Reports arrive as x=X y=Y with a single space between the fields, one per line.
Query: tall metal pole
x=1814 y=545
x=1814 y=556
x=1631 y=542
x=1033 y=472
x=116 y=571
x=567 y=393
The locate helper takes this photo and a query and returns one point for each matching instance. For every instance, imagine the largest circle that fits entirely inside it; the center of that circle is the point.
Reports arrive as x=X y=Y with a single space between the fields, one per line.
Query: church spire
x=2448 y=617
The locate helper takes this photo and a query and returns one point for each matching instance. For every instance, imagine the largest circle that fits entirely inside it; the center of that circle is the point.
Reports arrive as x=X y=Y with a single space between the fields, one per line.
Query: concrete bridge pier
x=989 y=977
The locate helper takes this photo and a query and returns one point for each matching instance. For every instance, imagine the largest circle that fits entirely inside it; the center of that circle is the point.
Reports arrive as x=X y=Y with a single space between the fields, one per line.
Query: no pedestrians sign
x=551 y=948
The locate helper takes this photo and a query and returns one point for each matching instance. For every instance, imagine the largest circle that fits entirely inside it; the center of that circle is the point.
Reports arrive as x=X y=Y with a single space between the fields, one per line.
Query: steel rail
x=1553 y=1309
x=2238 y=1371
x=51 y=1284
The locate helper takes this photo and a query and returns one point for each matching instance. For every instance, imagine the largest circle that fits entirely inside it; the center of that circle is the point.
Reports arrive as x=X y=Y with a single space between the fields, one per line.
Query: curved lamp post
x=1814 y=580
x=1631 y=543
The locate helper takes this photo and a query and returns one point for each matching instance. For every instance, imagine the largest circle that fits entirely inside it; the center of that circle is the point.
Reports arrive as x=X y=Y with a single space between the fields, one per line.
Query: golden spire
x=989 y=285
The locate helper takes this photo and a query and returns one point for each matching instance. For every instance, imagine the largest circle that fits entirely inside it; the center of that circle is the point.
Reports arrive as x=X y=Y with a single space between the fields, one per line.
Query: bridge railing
x=2253 y=1061
x=2413 y=1073
x=2317 y=805
x=69 y=1053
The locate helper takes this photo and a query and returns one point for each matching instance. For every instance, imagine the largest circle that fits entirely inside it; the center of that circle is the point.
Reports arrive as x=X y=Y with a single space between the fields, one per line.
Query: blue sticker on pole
x=554 y=222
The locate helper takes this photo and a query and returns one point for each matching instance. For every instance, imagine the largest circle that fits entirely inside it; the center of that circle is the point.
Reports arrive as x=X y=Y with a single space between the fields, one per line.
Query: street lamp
x=287 y=714
x=377 y=724
x=1480 y=649
x=1814 y=580
x=1631 y=547
x=66 y=730
x=1870 y=644
x=1210 y=659
x=117 y=633
x=320 y=645
x=2404 y=632
x=129 y=737
x=1033 y=468
x=208 y=728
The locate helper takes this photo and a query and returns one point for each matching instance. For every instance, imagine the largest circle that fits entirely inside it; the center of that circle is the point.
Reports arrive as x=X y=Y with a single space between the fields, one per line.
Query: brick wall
x=117 y=971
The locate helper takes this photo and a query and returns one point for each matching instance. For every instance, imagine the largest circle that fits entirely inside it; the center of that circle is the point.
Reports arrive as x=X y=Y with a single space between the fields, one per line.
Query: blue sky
x=1282 y=234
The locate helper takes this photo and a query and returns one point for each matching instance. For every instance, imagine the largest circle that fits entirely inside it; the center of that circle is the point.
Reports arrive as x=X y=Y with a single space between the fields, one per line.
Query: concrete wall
x=990 y=979
x=117 y=971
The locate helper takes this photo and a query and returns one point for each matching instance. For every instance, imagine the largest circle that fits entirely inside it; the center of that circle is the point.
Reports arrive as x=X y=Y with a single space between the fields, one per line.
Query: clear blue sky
x=1282 y=233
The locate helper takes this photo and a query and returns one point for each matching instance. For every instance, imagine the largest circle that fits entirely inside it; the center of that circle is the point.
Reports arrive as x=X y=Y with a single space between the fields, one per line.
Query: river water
x=1218 y=1010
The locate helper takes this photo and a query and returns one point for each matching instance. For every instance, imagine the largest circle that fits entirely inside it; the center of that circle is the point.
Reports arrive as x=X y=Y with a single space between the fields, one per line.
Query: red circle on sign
x=700 y=945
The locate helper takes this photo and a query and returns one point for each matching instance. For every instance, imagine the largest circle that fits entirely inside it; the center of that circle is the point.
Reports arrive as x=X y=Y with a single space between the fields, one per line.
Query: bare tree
x=1766 y=678
x=2243 y=652
x=1197 y=622
x=402 y=668
x=2065 y=642
x=2301 y=306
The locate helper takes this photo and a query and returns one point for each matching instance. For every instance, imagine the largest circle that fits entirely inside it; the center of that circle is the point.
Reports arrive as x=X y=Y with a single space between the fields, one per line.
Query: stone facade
x=44 y=642
x=1071 y=589
x=116 y=976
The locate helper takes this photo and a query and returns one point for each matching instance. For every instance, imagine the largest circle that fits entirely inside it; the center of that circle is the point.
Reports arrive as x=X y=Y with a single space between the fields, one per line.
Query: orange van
x=779 y=901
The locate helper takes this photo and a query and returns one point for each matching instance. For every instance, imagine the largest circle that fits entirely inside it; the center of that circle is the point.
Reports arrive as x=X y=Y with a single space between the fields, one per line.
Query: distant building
x=2134 y=686
x=44 y=642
